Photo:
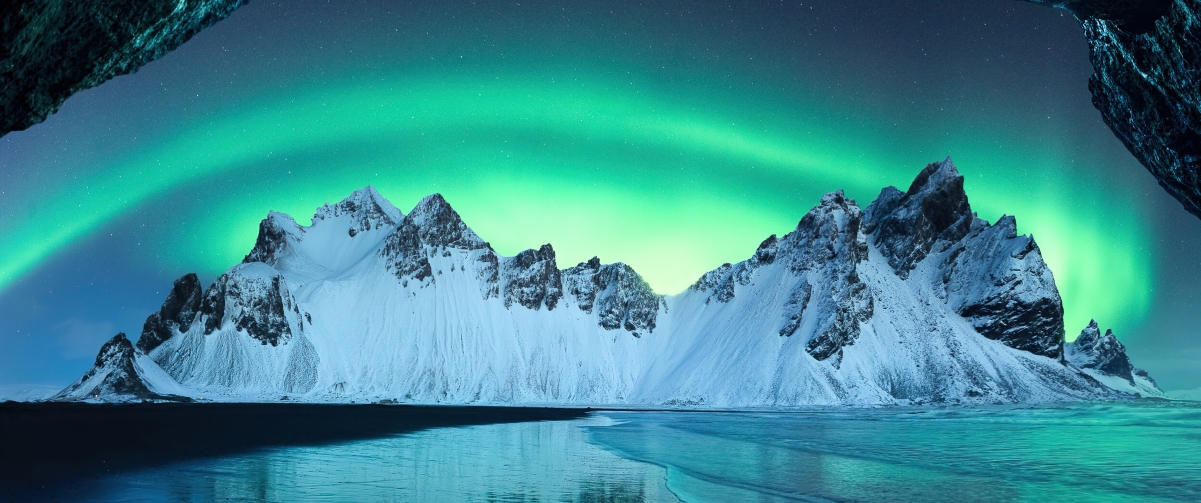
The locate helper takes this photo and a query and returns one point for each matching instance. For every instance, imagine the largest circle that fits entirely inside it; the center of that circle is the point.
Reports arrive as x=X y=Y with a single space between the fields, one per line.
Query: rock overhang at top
x=1146 y=83
x=50 y=50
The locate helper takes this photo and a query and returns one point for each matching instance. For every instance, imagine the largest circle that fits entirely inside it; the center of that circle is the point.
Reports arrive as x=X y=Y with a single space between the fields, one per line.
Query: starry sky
x=673 y=136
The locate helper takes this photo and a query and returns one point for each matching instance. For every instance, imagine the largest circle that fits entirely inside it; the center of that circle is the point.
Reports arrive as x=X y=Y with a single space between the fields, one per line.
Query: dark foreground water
x=1087 y=452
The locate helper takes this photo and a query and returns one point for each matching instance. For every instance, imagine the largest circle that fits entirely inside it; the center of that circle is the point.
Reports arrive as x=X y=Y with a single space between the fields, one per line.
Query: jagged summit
x=1104 y=357
x=178 y=311
x=906 y=226
x=913 y=301
x=121 y=373
x=366 y=208
x=437 y=224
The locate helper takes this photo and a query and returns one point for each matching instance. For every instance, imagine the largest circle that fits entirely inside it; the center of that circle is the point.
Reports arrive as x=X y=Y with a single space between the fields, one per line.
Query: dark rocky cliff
x=52 y=49
x=1147 y=83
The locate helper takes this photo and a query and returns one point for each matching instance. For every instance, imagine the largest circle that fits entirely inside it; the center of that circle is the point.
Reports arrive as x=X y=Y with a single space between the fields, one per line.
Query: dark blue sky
x=853 y=94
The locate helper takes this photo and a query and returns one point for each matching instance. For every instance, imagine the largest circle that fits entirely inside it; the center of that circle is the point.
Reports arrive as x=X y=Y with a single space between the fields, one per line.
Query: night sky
x=671 y=136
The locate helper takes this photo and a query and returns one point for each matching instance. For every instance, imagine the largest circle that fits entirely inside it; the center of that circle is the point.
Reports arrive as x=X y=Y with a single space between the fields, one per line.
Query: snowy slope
x=1104 y=358
x=123 y=373
x=913 y=300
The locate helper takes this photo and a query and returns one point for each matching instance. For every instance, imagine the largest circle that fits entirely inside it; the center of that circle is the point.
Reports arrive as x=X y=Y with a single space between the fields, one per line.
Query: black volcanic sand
x=45 y=444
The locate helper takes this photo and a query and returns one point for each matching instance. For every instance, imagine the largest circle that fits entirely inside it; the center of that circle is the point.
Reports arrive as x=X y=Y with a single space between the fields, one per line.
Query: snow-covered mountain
x=1104 y=358
x=913 y=300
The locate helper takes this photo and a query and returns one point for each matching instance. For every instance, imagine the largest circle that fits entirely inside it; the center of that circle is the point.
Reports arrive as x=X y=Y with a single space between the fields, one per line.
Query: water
x=1087 y=452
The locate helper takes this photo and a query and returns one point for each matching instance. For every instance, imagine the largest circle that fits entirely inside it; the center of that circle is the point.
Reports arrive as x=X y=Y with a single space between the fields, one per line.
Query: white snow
x=444 y=340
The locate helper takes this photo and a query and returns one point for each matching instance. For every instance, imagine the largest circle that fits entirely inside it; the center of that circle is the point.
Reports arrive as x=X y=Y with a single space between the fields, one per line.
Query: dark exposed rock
x=906 y=226
x=1000 y=283
x=1146 y=57
x=272 y=238
x=532 y=278
x=828 y=244
x=994 y=278
x=51 y=49
x=255 y=301
x=1134 y=16
x=720 y=282
x=799 y=301
x=1103 y=353
x=619 y=296
x=488 y=272
x=177 y=313
x=1148 y=89
x=1143 y=374
x=826 y=248
x=263 y=317
x=1034 y=327
x=367 y=210
x=121 y=379
x=432 y=226
x=213 y=307
x=439 y=225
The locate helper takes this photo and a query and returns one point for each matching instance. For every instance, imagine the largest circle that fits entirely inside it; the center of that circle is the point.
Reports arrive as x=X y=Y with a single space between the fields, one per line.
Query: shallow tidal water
x=1086 y=452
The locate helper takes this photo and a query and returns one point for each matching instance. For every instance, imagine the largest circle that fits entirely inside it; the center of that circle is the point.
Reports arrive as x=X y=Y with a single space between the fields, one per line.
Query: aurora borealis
x=668 y=136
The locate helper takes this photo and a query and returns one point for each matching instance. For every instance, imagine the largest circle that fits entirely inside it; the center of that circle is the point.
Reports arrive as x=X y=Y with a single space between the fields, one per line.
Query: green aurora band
x=674 y=187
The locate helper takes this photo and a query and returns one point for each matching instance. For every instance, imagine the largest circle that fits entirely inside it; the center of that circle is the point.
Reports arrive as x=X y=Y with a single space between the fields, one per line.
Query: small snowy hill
x=123 y=373
x=913 y=300
x=1104 y=358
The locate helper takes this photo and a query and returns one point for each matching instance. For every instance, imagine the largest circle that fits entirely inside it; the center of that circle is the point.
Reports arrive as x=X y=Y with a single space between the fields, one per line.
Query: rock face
x=178 y=311
x=988 y=274
x=367 y=210
x=906 y=226
x=255 y=300
x=118 y=375
x=826 y=248
x=250 y=332
x=1105 y=358
x=618 y=296
x=53 y=49
x=432 y=228
x=1133 y=16
x=532 y=279
x=1147 y=83
x=912 y=301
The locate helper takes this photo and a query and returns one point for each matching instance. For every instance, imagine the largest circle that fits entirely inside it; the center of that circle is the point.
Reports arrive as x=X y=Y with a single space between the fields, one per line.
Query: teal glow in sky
x=585 y=165
x=672 y=138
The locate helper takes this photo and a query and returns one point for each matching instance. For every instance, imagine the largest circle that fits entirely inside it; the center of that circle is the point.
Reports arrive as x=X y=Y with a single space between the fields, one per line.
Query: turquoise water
x=1087 y=452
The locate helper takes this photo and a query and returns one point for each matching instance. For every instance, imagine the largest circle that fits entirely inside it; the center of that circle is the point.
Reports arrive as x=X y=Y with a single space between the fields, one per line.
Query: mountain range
x=912 y=300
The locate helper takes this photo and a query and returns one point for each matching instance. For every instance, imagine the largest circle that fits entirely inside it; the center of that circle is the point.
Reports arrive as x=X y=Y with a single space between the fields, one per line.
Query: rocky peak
x=532 y=279
x=618 y=294
x=825 y=248
x=439 y=225
x=176 y=314
x=255 y=299
x=1088 y=337
x=832 y=230
x=1103 y=353
x=905 y=227
x=272 y=240
x=432 y=227
x=113 y=377
x=367 y=209
x=999 y=282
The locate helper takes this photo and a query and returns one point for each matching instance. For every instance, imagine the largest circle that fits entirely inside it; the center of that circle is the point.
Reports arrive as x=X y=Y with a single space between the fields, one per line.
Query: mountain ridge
x=913 y=300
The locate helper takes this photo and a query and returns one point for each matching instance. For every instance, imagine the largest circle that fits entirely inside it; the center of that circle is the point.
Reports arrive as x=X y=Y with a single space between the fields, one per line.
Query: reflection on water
x=1109 y=452
x=520 y=462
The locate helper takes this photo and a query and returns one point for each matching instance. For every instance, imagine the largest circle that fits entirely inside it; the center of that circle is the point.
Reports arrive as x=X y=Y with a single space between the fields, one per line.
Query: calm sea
x=1085 y=452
